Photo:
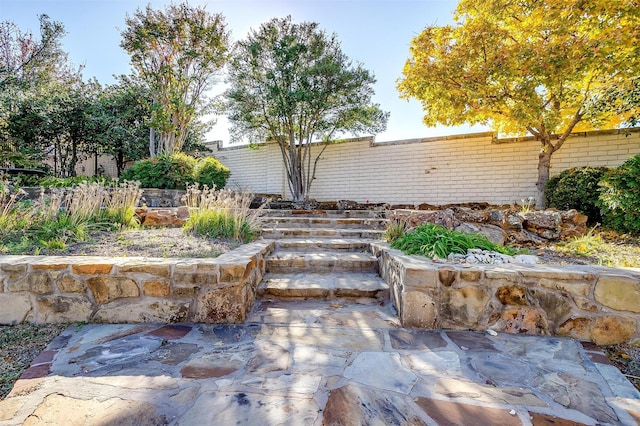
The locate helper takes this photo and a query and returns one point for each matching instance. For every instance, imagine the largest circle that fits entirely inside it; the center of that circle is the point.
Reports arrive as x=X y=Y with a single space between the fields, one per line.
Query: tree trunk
x=544 y=167
x=119 y=162
x=152 y=142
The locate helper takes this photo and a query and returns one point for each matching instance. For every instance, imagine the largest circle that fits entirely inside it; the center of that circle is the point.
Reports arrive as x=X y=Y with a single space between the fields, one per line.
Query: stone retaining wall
x=583 y=302
x=54 y=289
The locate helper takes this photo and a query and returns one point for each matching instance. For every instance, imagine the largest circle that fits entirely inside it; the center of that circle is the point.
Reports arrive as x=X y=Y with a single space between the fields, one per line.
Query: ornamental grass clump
x=222 y=214
x=120 y=203
x=65 y=215
x=14 y=213
x=433 y=240
x=396 y=228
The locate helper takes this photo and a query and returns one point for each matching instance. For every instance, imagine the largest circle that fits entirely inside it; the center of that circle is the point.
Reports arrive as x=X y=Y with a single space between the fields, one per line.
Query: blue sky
x=376 y=33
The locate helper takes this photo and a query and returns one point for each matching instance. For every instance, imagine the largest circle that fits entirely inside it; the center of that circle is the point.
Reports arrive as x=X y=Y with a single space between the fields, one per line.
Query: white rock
x=527 y=259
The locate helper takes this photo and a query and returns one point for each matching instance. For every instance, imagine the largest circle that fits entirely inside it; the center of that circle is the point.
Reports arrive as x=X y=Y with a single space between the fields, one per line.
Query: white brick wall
x=455 y=169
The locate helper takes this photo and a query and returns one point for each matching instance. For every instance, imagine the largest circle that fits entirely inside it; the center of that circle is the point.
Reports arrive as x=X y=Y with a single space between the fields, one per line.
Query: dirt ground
x=149 y=242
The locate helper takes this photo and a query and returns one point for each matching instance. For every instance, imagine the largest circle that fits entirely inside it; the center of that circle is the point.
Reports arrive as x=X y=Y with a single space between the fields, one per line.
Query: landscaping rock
x=477 y=256
x=500 y=225
x=618 y=292
x=175 y=217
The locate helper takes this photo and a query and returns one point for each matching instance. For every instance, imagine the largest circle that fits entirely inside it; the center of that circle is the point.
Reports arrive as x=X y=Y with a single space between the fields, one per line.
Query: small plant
x=396 y=228
x=222 y=214
x=433 y=240
x=607 y=247
x=589 y=244
x=55 y=244
x=527 y=204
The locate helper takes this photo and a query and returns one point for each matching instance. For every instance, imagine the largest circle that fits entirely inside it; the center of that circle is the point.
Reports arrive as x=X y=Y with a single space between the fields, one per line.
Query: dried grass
x=223 y=213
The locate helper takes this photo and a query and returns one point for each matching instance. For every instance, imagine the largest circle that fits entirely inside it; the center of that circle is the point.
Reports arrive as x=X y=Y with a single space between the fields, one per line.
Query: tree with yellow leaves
x=546 y=67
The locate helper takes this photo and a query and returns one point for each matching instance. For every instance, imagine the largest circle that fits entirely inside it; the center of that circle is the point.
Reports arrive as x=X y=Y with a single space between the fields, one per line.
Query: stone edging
x=54 y=289
x=583 y=302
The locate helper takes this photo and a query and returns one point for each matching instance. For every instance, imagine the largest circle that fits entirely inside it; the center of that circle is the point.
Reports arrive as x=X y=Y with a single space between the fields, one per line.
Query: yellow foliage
x=543 y=67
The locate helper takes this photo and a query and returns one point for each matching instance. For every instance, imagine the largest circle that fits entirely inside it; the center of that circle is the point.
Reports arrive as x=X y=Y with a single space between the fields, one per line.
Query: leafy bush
x=620 y=197
x=432 y=240
x=58 y=182
x=23 y=180
x=164 y=171
x=576 y=188
x=177 y=171
x=212 y=173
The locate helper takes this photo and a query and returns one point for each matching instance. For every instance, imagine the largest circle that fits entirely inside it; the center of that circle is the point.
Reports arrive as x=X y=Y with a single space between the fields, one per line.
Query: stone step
x=324 y=314
x=278 y=233
x=327 y=261
x=321 y=244
x=323 y=285
x=325 y=213
x=324 y=222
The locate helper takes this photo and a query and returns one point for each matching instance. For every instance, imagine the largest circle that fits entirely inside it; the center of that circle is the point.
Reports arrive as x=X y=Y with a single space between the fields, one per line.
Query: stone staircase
x=322 y=255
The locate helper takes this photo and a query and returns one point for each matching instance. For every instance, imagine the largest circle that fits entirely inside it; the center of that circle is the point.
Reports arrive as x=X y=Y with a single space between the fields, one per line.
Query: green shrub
x=576 y=188
x=432 y=240
x=620 y=197
x=58 y=182
x=163 y=172
x=23 y=180
x=212 y=173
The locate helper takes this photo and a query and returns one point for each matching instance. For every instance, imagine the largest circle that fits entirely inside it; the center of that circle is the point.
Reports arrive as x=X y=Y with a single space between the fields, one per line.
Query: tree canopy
x=27 y=65
x=548 y=68
x=25 y=60
x=292 y=84
x=177 y=52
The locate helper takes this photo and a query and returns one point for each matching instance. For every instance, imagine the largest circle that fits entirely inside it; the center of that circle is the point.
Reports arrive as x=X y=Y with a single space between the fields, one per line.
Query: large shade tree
x=26 y=60
x=178 y=52
x=292 y=84
x=122 y=114
x=28 y=64
x=59 y=120
x=543 y=67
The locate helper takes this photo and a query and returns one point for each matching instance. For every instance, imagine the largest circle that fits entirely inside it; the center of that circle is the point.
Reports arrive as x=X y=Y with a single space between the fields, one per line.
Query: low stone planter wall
x=54 y=289
x=151 y=197
x=583 y=302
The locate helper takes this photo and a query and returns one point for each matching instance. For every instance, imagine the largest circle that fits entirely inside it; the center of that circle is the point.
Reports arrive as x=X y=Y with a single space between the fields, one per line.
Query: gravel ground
x=627 y=358
x=19 y=345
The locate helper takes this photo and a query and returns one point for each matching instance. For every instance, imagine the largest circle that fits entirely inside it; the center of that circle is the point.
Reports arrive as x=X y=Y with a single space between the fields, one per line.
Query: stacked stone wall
x=56 y=289
x=584 y=302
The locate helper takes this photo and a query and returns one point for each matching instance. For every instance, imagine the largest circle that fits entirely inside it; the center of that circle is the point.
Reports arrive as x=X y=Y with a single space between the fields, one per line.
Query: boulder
x=493 y=233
